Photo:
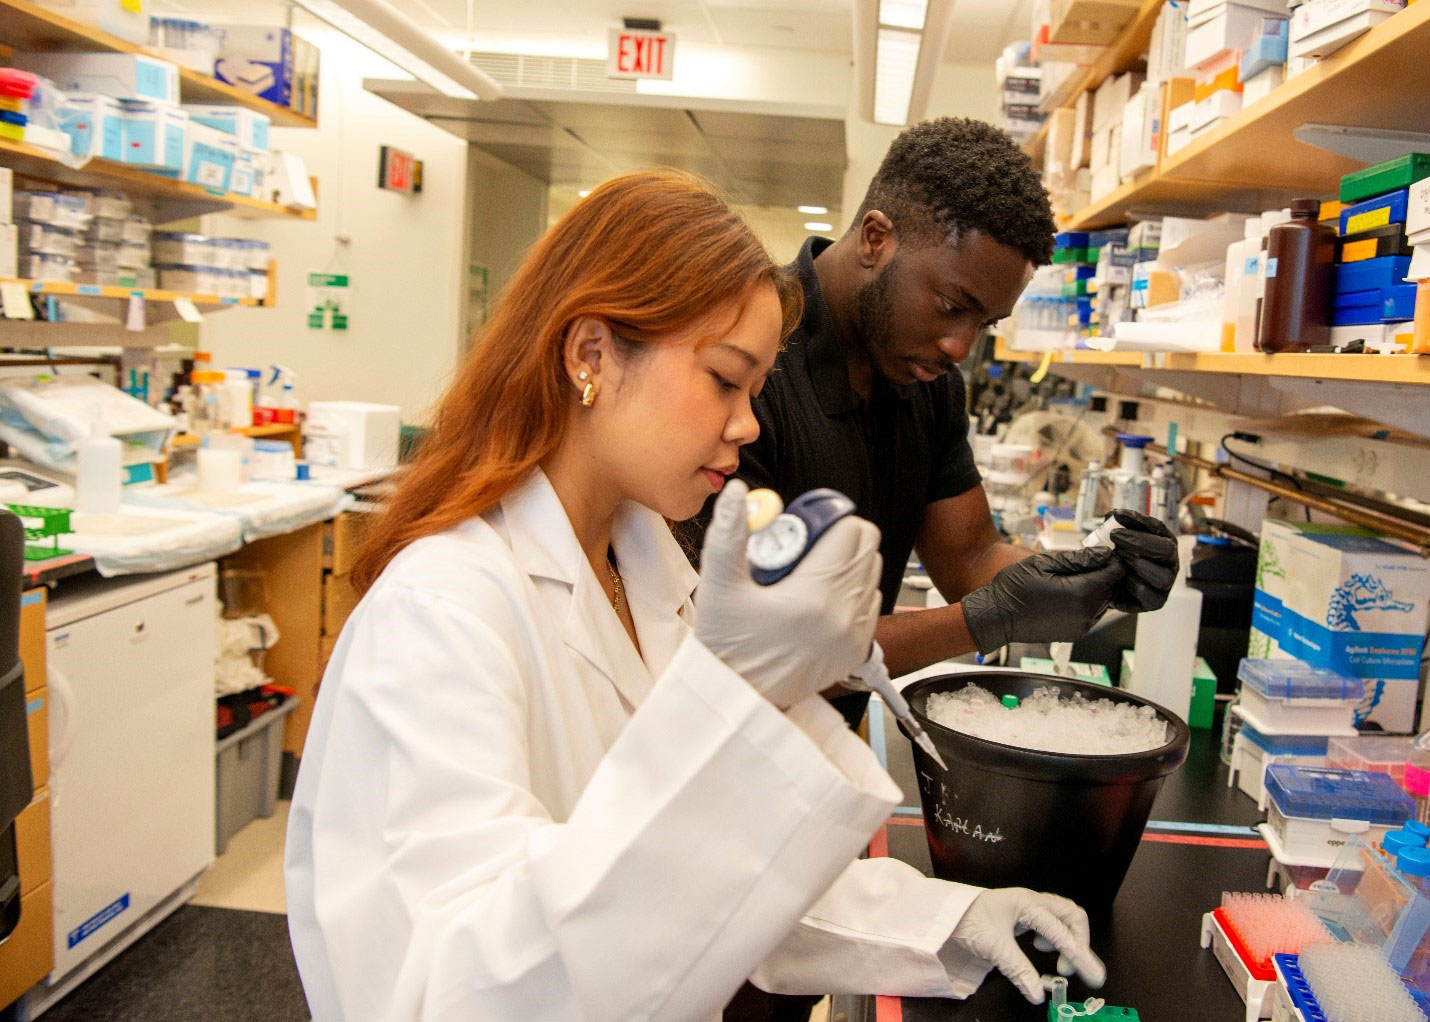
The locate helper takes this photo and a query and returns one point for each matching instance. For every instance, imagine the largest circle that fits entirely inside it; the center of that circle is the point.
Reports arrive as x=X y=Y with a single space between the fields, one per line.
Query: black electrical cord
x=1261 y=465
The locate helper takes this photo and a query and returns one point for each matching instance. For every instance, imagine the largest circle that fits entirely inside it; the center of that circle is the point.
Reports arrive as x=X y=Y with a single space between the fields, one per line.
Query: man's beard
x=874 y=304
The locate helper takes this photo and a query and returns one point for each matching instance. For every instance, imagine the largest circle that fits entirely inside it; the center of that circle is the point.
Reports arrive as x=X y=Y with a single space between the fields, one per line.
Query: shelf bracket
x=1367 y=145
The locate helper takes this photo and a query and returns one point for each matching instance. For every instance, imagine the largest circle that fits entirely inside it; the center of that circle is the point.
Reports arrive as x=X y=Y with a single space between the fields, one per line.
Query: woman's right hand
x=810 y=630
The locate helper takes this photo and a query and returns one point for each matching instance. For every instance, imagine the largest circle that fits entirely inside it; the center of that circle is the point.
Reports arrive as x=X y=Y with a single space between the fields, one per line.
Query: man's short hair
x=947 y=176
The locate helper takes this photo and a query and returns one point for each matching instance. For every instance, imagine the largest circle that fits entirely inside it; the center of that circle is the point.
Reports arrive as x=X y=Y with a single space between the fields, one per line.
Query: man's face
x=925 y=307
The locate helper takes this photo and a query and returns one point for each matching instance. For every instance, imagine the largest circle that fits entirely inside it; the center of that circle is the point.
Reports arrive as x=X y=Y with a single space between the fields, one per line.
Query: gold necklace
x=618 y=586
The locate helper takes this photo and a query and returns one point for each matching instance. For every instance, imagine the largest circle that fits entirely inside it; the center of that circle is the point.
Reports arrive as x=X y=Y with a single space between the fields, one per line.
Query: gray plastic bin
x=246 y=778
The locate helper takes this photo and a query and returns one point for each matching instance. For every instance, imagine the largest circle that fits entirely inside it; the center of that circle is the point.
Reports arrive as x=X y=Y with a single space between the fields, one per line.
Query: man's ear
x=877 y=241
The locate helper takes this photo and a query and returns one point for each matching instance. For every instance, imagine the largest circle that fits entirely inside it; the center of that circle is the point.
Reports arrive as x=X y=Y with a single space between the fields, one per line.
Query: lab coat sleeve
x=707 y=830
x=882 y=927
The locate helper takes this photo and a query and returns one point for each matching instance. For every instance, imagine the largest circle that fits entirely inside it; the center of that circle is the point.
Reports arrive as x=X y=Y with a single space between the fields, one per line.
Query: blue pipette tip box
x=1288 y=969
x=1286 y=745
x=1319 y=793
x=1292 y=679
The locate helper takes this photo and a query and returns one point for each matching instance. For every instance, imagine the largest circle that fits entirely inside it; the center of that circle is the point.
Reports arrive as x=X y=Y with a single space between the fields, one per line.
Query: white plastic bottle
x=100 y=472
x=1131 y=485
x=1085 y=512
x=1166 y=645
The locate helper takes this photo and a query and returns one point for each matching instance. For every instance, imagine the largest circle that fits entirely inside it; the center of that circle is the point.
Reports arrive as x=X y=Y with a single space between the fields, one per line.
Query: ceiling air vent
x=578 y=74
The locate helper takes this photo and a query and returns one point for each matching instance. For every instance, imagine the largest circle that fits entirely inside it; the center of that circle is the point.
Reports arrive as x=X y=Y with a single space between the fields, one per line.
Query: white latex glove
x=809 y=630
x=989 y=928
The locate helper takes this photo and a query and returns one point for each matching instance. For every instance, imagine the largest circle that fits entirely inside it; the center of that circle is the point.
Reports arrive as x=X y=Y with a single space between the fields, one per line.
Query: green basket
x=54 y=522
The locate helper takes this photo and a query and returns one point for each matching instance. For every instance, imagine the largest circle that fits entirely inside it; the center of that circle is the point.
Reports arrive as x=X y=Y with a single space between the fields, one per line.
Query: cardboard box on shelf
x=1141 y=132
x=95 y=124
x=9 y=250
x=1215 y=108
x=1230 y=28
x=1262 y=84
x=1417 y=212
x=1176 y=92
x=1111 y=97
x=121 y=75
x=249 y=126
x=1225 y=80
x=1322 y=27
x=155 y=135
x=258 y=59
x=1057 y=154
x=1082 y=131
x=1166 y=55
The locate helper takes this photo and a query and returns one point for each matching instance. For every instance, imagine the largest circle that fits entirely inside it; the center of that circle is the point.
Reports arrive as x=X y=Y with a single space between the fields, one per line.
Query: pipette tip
x=926 y=743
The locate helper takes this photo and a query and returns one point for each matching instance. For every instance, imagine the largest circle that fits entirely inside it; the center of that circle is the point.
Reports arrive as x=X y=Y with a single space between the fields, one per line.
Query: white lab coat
x=504 y=813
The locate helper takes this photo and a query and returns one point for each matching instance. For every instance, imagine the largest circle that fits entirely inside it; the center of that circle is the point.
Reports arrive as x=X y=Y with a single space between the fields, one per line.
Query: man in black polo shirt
x=866 y=398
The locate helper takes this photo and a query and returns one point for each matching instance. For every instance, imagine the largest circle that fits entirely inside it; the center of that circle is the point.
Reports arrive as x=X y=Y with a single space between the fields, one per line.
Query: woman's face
x=669 y=420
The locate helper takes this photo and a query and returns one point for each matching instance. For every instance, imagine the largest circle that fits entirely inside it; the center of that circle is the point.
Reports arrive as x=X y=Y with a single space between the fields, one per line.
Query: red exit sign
x=398 y=171
x=637 y=53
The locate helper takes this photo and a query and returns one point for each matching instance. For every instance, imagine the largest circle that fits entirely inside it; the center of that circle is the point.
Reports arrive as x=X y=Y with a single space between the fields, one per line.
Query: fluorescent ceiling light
x=813 y=210
x=896 y=59
x=394 y=36
x=903 y=13
x=816 y=226
x=583 y=193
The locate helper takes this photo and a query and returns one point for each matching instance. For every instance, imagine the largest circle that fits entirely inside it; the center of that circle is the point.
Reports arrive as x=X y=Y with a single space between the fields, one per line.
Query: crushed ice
x=1046 y=723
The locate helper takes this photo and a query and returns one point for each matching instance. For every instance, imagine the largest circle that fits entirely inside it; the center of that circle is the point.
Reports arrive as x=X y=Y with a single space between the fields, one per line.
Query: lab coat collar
x=654 y=568
x=657 y=576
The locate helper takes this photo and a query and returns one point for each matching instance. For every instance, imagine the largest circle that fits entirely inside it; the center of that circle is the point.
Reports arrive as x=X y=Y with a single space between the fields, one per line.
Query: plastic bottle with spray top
x=285 y=403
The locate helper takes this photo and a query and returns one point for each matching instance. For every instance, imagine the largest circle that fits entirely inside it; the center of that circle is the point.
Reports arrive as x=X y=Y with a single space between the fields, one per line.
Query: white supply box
x=1214 y=109
x=154 y=135
x=53 y=208
x=1336 y=597
x=121 y=75
x=1141 y=132
x=1110 y=99
x=1230 y=27
x=7 y=195
x=95 y=124
x=179 y=248
x=209 y=156
x=249 y=126
x=1248 y=767
x=1322 y=27
x=1198 y=10
x=1417 y=213
x=1261 y=84
x=1308 y=838
x=9 y=250
x=352 y=434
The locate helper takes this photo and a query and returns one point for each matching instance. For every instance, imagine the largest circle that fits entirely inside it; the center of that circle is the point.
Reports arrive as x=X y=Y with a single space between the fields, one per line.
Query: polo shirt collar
x=823 y=357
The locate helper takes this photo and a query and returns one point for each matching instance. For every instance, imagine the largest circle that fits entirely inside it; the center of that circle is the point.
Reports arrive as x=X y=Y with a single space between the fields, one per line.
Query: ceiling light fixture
x=897 y=47
x=813 y=210
x=814 y=225
x=394 y=36
x=583 y=193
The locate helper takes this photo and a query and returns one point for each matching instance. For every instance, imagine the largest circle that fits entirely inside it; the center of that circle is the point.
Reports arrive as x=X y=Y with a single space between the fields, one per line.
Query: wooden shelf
x=1412 y=369
x=1252 y=160
x=192 y=199
x=71 y=290
x=1125 y=53
x=26 y=26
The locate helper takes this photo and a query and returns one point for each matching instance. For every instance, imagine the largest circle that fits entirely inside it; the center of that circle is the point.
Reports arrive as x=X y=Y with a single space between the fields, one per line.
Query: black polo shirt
x=894 y=454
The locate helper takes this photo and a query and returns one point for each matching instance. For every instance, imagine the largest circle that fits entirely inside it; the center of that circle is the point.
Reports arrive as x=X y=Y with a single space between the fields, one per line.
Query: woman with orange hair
x=542 y=781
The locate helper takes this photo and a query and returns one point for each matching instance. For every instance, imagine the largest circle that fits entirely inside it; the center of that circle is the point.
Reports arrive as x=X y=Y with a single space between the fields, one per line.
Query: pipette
x=779 y=541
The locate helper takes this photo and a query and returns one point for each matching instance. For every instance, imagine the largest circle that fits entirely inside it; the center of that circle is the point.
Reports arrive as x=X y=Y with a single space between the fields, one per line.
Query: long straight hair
x=653 y=252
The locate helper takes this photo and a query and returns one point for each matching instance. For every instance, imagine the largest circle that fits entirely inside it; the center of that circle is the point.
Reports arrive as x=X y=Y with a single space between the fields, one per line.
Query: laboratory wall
x=405 y=258
x=507 y=213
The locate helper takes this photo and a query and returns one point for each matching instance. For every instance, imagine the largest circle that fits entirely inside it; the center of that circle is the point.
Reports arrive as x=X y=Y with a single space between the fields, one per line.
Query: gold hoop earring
x=588 y=396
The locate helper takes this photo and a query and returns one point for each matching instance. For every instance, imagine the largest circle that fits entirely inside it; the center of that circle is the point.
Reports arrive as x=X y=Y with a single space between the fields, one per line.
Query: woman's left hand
x=990 y=927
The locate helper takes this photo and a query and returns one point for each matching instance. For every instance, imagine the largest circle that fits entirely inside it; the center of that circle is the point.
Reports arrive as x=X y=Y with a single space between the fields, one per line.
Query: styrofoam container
x=1313 y=811
x=247 y=765
x=1292 y=698
x=352 y=434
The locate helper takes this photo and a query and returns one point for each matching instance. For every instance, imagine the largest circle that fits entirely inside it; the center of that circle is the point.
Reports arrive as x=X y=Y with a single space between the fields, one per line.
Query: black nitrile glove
x=1149 y=553
x=1050 y=597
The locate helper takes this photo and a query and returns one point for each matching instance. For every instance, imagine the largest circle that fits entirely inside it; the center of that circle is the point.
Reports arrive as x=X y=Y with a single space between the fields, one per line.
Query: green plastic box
x=1385 y=177
x=1203 y=691
x=1070 y=255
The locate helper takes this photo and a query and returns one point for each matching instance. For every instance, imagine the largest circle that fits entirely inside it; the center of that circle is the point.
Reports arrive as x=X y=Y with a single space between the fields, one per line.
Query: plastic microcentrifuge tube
x=1102 y=535
x=1057 y=988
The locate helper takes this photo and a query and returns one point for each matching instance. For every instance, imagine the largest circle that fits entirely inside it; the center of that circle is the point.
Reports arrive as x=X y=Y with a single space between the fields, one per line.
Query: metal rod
x=1406 y=532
